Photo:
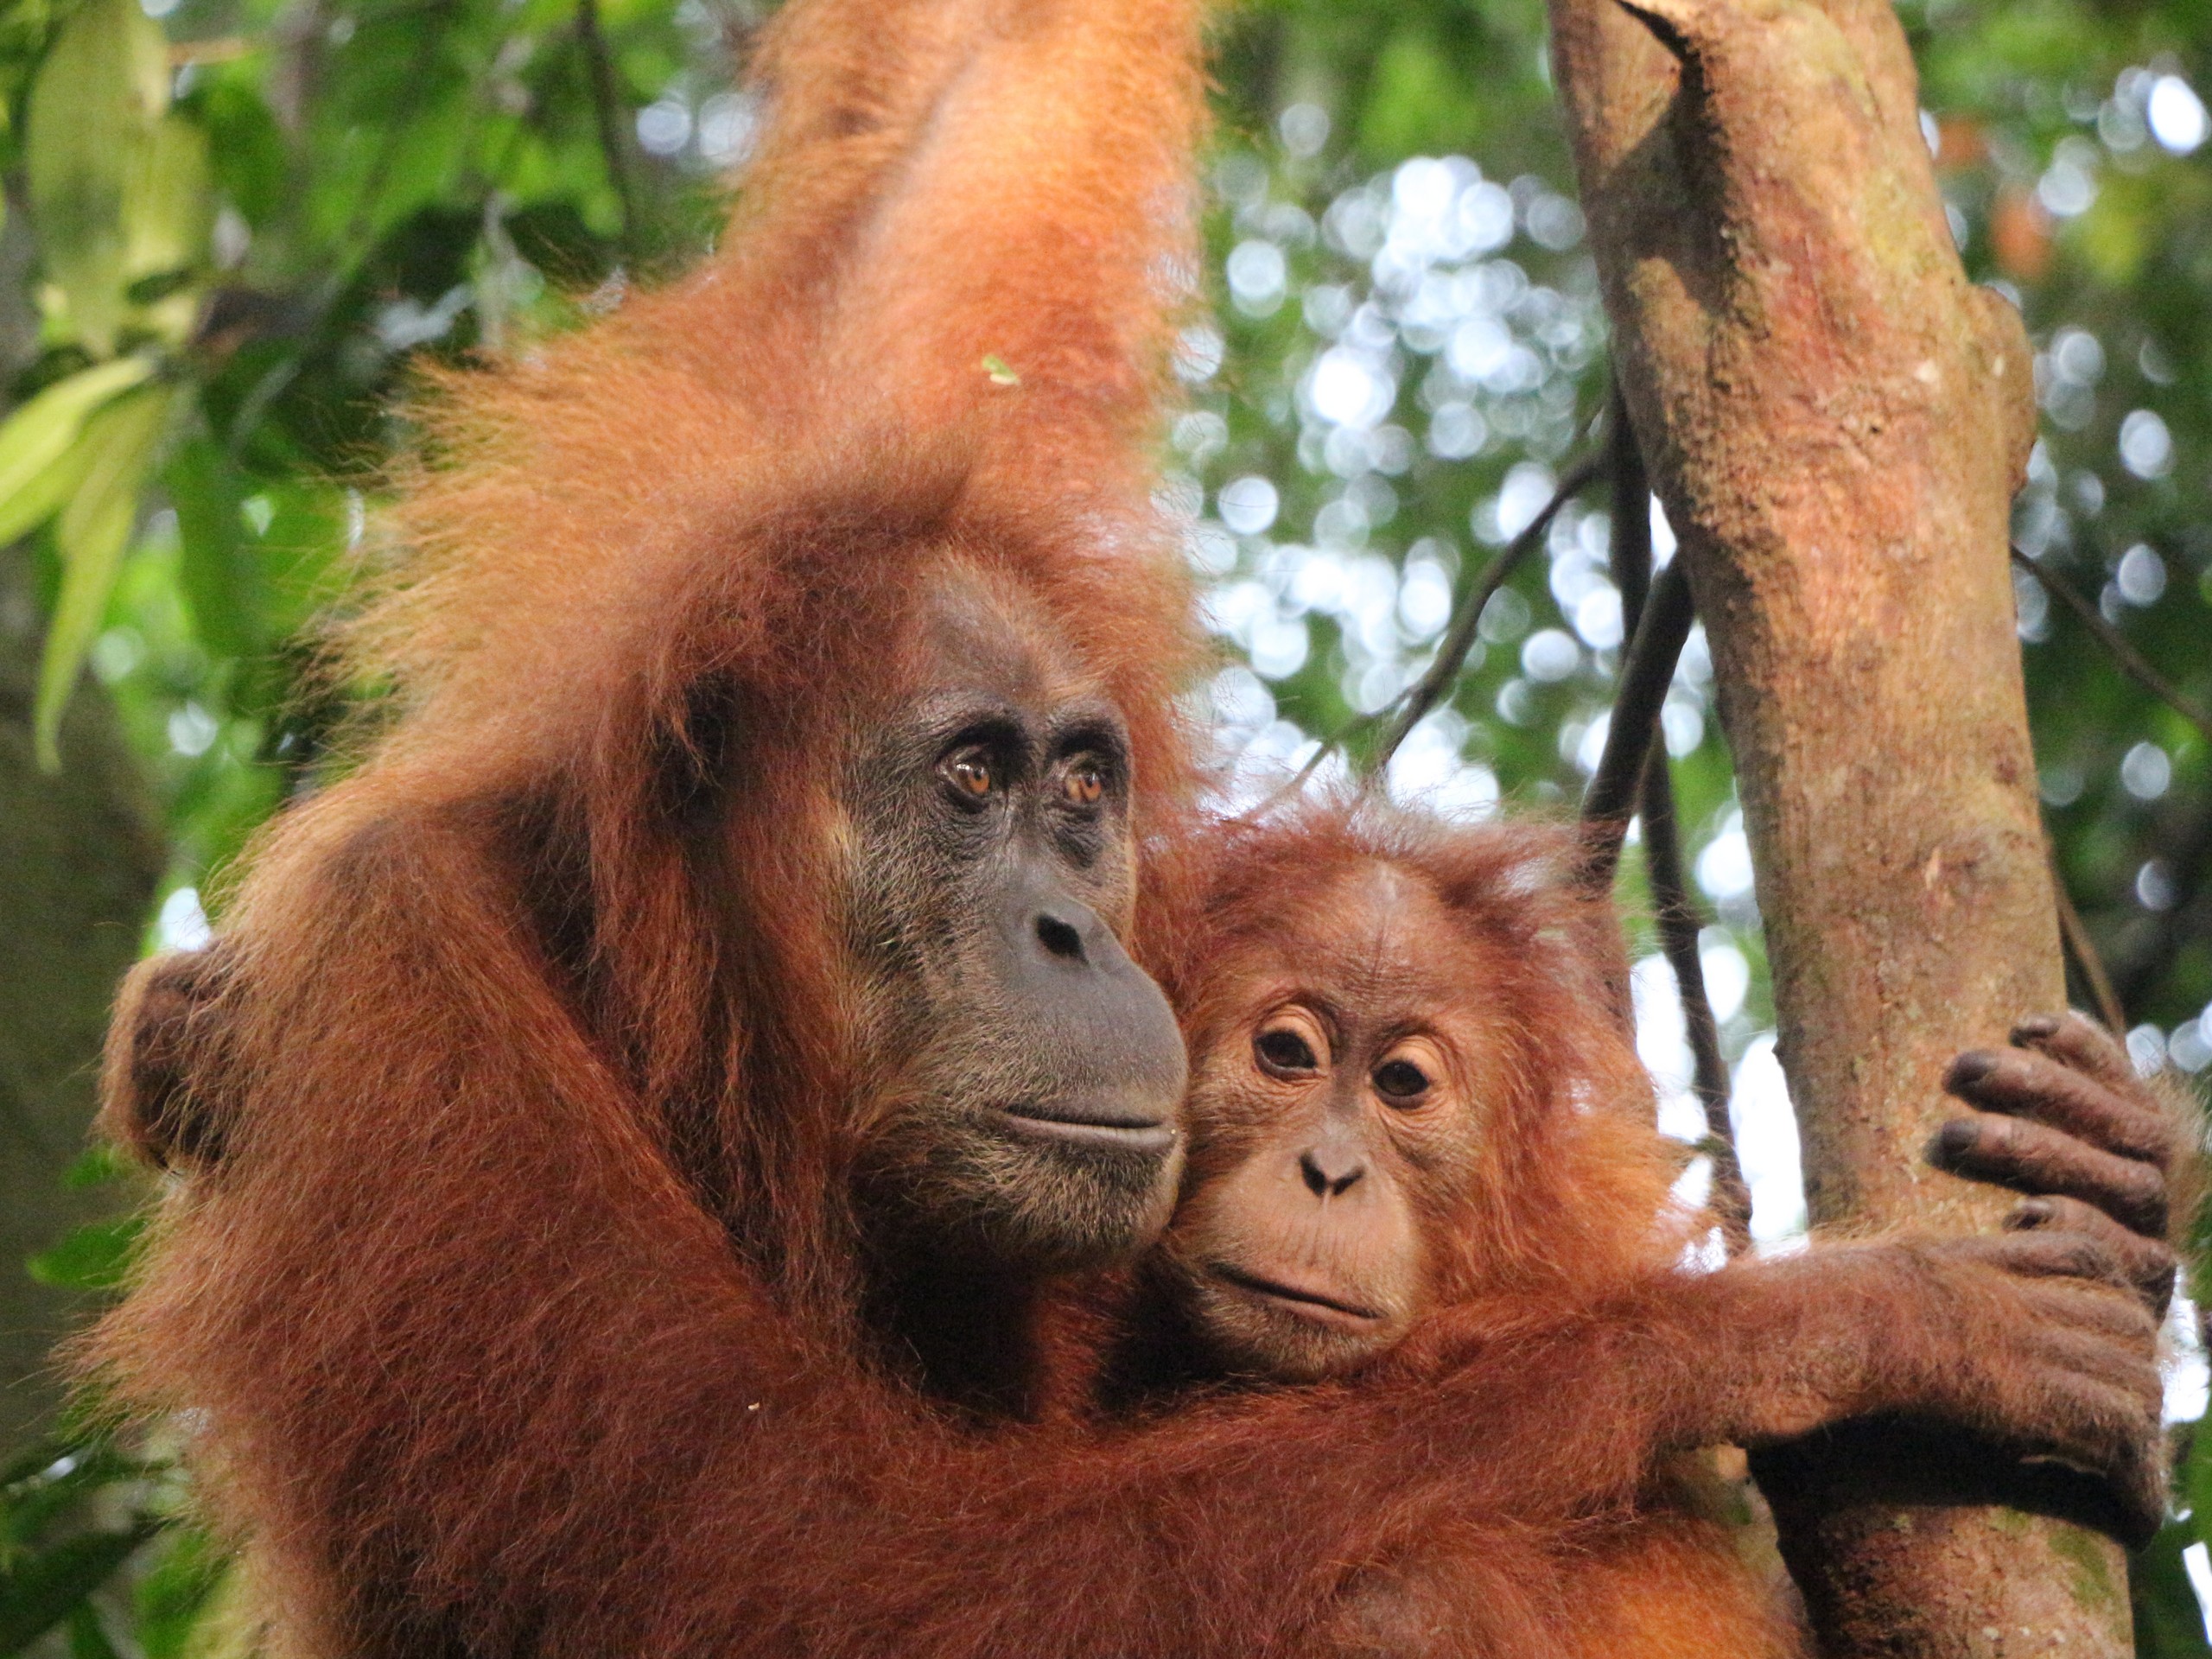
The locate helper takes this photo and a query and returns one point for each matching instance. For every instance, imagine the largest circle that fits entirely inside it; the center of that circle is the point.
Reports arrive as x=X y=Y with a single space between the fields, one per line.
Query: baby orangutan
x=1415 y=1127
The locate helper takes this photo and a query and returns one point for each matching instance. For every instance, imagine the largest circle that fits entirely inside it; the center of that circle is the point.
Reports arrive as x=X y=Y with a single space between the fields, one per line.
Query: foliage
x=240 y=223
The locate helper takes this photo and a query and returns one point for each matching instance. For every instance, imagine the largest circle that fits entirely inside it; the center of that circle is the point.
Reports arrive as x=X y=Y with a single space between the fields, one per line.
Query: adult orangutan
x=657 y=1083
x=1381 y=1011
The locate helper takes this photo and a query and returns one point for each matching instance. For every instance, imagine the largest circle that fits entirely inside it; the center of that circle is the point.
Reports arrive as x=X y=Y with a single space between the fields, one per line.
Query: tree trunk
x=1836 y=421
x=79 y=858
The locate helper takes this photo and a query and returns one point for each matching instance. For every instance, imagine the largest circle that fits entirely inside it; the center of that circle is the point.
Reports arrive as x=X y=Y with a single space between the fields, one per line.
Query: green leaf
x=39 y=433
x=93 y=1257
x=40 y=1590
x=2169 y=1621
x=220 y=583
x=104 y=85
x=95 y=528
x=172 y=1596
x=87 y=1639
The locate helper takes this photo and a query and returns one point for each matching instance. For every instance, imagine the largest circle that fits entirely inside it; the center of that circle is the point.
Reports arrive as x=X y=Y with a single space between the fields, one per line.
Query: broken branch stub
x=1836 y=419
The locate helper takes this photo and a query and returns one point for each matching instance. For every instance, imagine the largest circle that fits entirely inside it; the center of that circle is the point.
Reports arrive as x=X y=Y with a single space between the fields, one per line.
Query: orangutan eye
x=1281 y=1051
x=1401 y=1083
x=1083 y=783
x=970 y=773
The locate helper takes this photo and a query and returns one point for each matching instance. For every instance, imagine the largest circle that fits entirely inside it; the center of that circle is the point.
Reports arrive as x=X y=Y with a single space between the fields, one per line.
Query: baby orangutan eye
x=1084 y=782
x=1401 y=1083
x=1282 y=1051
x=969 y=773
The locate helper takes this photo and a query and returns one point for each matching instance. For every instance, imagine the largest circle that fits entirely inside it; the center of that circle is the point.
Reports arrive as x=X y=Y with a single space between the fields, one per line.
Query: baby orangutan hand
x=2063 y=1117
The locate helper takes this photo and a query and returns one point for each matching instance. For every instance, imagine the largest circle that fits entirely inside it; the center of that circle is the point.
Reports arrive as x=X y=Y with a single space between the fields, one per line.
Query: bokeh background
x=234 y=227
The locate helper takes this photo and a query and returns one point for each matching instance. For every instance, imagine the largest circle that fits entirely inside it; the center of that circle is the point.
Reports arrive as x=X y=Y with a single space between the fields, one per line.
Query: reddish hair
x=1573 y=1195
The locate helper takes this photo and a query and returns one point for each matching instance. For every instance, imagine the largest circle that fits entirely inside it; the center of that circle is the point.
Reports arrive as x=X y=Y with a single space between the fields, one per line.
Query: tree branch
x=2083 y=951
x=1635 y=767
x=2131 y=661
x=1646 y=672
x=606 y=108
x=1436 y=684
x=1675 y=912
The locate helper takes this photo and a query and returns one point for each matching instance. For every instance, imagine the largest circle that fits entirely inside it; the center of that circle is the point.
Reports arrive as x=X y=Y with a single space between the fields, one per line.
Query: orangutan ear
x=164 y=1087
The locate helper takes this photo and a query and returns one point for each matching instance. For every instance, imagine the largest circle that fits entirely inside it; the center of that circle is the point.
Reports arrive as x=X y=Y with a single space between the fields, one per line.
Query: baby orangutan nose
x=1332 y=1167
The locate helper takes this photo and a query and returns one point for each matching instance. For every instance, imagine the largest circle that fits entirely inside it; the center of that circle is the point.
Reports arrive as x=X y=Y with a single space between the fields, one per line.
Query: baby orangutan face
x=1339 y=1068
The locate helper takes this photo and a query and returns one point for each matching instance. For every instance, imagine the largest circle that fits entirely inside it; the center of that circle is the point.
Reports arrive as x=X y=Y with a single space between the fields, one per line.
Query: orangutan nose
x=1330 y=1171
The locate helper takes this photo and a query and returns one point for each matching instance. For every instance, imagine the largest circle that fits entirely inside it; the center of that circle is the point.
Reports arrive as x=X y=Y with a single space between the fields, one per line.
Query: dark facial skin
x=1031 y=1115
x=1332 y=1110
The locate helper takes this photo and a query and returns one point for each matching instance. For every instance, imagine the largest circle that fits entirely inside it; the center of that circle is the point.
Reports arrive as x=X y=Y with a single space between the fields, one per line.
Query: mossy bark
x=1836 y=421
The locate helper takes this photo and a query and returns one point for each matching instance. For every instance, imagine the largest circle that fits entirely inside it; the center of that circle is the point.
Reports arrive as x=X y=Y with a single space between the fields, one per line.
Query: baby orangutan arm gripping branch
x=1416 y=1137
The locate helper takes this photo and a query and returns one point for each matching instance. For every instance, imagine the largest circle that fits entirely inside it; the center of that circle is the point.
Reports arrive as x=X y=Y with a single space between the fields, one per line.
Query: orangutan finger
x=2033 y=1159
x=2148 y=1265
x=2024 y=1084
x=2078 y=1041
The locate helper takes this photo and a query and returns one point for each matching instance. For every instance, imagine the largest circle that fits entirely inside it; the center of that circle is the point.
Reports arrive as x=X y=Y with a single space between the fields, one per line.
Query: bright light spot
x=1305 y=129
x=2188 y=1384
x=1590 y=749
x=1550 y=655
x=405 y=323
x=1554 y=222
x=1248 y=506
x=182 y=925
x=1468 y=794
x=1598 y=617
x=2190 y=1047
x=1423 y=187
x=1198 y=354
x=2176 y=115
x=1240 y=701
x=192 y=730
x=2196 y=1562
x=1428 y=767
x=1504 y=619
x=1278 y=646
x=1727 y=977
x=2154 y=886
x=1486 y=217
x=728 y=121
x=1663 y=1043
x=2141 y=576
x=1527 y=492
x=2068 y=188
x=1930 y=134
x=1766 y=1144
x=2146 y=772
x=2147 y=1047
x=1662 y=535
x=1258 y=275
x=1682 y=725
x=1457 y=431
x=1479 y=347
x=1210 y=550
x=2078 y=356
x=1693 y=1188
x=115 y=652
x=665 y=126
x=1724 y=868
x=1347 y=390
x=1200 y=435
x=2146 y=447
x=1424 y=599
